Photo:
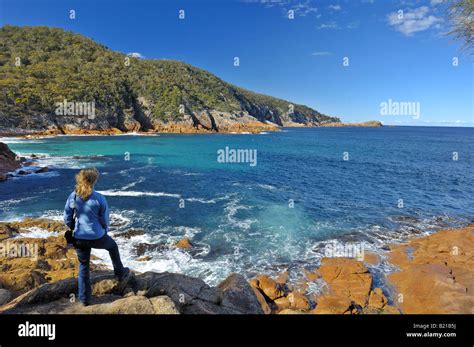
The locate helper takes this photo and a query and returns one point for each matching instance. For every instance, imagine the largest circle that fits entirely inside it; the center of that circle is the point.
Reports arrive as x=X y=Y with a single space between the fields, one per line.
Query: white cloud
x=334 y=7
x=304 y=8
x=329 y=25
x=318 y=54
x=269 y=3
x=300 y=7
x=436 y=2
x=136 y=55
x=353 y=25
x=412 y=21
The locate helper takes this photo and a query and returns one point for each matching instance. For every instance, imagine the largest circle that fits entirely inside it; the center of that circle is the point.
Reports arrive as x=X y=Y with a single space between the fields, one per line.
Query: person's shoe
x=123 y=280
x=126 y=275
x=85 y=303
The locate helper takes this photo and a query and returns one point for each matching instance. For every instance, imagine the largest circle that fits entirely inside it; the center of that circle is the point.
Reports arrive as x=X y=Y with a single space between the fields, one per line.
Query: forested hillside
x=41 y=66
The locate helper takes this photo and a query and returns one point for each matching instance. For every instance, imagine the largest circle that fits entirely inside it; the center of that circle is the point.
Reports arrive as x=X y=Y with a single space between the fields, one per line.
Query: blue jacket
x=92 y=216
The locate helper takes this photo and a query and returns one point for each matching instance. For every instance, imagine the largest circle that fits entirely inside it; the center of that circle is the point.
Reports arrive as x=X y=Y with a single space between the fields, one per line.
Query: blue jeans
x=83 y=250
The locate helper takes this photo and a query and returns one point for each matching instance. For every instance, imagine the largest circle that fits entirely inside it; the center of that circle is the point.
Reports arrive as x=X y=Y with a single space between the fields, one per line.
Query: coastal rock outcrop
x=9 y=161
x=377 y=299
x=436 y=272
x=238 y=295
x=26 y=263
x=184 y=244
x=130 y=233
x=347 y=279
x=5 y=296
x=350 y=289
x=39 y=275
x=145 y=293
x=276 y=295
x=12 y=165
x=435 y=275
x=269 y=287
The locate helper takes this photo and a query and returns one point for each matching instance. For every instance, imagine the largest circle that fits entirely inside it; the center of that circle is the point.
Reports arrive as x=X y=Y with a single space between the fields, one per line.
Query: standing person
x=87 y=213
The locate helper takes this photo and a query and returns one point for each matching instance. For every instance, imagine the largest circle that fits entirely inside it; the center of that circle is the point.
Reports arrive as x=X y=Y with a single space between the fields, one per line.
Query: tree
x=462 y=15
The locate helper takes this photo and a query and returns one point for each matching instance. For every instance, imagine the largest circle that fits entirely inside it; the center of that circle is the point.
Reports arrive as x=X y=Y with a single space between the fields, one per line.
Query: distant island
x=59 y=82
x=368 y=124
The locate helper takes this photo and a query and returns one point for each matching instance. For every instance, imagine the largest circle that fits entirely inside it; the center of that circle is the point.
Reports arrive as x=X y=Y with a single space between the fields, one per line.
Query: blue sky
x=405 y=58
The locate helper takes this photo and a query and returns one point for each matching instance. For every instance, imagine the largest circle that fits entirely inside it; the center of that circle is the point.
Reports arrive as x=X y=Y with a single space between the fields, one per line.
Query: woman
x=87 y=213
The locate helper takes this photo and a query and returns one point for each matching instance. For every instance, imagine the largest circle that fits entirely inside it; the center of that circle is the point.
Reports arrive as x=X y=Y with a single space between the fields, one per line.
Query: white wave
x=32 y=174
x=61 y=161
x=317 y=287
x=187 y=232
x=29 y=169
x=163 y=259
x=210 y=201
x=132 y=193
x=119 y=219
x=267 y=186
x=35 y=232
x=124 y=172
x=202 y=201
x=33 y=156
x=7 y=203
x=56 y=215
x=231 y=210
x=117 y=192
x=133 y=184
x=13 y=140
x=133 y=133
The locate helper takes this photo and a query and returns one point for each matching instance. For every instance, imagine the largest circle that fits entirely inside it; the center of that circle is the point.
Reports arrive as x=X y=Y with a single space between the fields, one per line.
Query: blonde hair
x=85 y=181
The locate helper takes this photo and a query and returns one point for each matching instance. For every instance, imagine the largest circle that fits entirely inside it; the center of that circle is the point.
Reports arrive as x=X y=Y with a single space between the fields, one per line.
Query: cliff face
x=8 y=161
x=57 y=81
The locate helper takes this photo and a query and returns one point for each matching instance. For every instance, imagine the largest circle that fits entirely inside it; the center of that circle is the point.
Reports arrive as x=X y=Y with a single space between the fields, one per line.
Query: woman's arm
x=104 y=214
x=68 y=214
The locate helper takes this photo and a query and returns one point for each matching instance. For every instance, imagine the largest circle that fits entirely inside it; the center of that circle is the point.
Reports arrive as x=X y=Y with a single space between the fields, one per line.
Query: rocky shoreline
x=435 y=275
x=13 y=165
x=254 y=127
x=9 y=161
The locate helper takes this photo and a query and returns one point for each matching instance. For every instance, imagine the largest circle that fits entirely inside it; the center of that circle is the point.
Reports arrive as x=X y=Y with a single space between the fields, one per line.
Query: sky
x=359 y=60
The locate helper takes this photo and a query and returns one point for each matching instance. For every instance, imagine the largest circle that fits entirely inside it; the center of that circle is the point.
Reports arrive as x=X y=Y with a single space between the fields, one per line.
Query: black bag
x=69 y=234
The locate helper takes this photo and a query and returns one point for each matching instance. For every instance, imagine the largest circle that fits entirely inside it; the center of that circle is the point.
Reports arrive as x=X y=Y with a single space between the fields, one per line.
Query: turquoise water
x=278 y=214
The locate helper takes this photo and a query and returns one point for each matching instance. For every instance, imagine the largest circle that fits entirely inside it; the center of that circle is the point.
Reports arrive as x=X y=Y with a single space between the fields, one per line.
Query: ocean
x=256 y=203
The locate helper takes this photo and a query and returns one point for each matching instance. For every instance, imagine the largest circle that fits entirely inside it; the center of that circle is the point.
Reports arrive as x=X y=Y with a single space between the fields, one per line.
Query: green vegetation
x=40 y=66
x=462 y=15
